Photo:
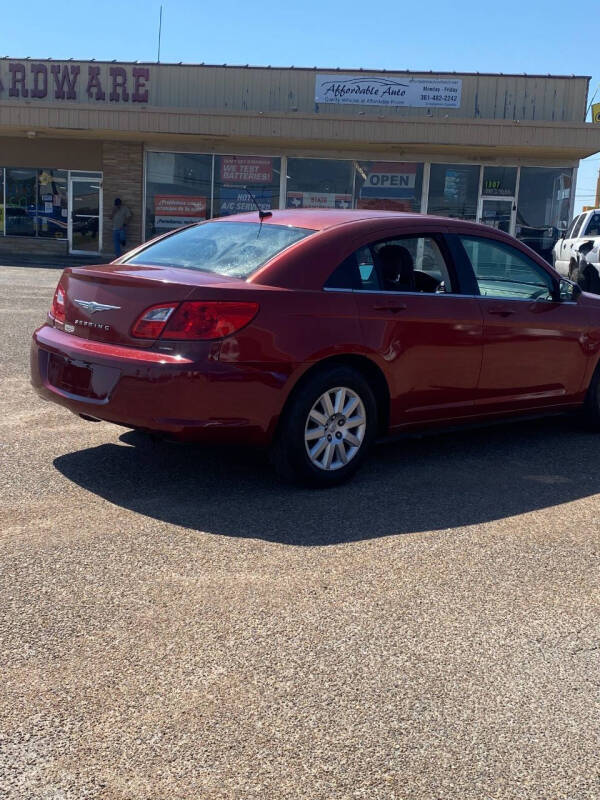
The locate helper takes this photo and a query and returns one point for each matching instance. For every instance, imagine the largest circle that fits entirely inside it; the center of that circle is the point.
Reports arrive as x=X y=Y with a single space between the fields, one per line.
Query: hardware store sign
x=368 y=90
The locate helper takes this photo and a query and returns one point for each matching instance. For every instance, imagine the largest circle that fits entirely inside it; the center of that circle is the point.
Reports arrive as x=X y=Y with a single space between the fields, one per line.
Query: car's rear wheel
x=327 y=428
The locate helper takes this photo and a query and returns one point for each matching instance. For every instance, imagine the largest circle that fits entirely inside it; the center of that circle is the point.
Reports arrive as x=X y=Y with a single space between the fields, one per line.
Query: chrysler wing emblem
x=91 y=307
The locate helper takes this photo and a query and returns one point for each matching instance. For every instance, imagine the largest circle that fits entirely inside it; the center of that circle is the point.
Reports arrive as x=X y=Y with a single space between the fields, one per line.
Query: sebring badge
x=87 y=324
x=91 y=307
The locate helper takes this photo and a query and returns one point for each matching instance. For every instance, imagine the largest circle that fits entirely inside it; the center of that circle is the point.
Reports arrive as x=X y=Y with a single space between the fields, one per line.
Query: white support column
x=513 y=217
x=479 y=195
x=212 y=188
x=573 y=191
x=144 y=184
x=283 y=182
x=425 y=187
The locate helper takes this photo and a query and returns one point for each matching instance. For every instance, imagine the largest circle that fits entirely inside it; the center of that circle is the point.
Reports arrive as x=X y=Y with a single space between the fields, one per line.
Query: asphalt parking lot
x=176 y=624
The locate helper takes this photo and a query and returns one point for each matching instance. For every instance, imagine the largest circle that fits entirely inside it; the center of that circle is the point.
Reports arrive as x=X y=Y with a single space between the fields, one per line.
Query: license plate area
x=92 y=381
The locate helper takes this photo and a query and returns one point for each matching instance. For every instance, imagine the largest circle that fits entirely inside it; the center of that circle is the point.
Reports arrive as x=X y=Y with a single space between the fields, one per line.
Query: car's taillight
x=58 y=304
x=194 y=319
x=151 y=323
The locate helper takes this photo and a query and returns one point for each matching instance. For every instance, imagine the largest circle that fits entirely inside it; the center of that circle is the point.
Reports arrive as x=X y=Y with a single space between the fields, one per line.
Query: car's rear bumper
x=200 y=398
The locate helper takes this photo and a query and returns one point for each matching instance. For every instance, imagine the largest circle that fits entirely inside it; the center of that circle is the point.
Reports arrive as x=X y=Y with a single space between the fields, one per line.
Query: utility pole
x=159 y=33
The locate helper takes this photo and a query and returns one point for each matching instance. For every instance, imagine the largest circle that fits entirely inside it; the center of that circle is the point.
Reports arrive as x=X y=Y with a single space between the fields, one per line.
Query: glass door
x=496 y=213
x=85 y=204
x=497 y=193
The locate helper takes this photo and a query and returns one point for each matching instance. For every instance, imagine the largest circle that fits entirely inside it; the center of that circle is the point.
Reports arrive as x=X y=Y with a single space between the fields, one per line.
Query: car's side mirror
x=568 y=291
x=585 y=248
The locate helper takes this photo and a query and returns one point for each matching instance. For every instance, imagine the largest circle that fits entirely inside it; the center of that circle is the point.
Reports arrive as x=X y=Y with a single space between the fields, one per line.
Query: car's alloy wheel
x=335 y=428
x=591 y=408
x=327 y=427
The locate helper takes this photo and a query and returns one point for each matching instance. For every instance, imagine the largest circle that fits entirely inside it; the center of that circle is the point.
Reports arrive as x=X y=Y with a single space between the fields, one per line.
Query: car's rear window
x=228 y=248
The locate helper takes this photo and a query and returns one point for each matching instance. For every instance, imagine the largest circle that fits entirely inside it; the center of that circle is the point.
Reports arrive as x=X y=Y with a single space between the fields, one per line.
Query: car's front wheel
x=591 y=408
x=327 y=428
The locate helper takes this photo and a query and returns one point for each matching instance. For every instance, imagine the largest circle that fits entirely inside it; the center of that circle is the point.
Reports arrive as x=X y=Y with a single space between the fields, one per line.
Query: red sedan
x=316 y=332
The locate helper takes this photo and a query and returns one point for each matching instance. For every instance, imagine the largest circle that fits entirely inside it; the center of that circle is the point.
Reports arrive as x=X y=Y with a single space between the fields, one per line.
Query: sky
x=507 y=36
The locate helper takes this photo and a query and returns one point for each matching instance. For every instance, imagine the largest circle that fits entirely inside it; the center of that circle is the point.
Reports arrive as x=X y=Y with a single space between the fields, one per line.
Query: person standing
x=120 y=217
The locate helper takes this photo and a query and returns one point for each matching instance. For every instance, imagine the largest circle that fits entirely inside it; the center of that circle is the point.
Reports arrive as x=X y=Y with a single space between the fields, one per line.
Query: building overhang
x=479 y=139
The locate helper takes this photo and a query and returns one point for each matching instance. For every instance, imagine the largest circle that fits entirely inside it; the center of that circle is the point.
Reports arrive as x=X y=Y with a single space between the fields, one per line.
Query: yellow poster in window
x=596 y=113
x=1 y=220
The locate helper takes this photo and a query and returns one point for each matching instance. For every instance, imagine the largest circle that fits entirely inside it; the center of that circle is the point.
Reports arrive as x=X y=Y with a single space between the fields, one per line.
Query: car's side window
x=571 y=228
x=367 y=274
x=593 y=226
x=411 y=264
x=504 y=272
x=578 y=226
x=357 y=272
x=401 y=264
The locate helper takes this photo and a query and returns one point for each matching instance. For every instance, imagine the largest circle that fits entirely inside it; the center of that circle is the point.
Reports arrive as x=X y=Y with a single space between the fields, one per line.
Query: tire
x=581 y=278
x=308 y=418
x=591 y=408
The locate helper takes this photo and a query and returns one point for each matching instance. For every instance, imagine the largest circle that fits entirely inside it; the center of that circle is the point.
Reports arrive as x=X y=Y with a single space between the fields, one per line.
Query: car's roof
x=319 y=219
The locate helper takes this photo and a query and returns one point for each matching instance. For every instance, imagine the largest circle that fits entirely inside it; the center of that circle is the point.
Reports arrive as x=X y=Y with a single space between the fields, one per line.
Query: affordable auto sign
x=388 y=91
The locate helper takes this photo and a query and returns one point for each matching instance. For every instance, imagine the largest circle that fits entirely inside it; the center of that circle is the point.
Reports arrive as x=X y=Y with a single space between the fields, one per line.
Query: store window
x=319 y=183
x=21 y=202
x=453 y=190
x=178 y=190
x=52 y=205
x=241 y=182
x=388 y=185
x=543 y=207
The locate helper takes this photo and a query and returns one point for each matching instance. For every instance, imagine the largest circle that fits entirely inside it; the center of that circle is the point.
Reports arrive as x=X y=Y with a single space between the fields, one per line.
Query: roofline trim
x=359 y=70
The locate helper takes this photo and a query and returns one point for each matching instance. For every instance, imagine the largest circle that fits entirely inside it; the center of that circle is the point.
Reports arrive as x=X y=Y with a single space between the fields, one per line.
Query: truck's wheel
x=572 y=268
x=581 y=277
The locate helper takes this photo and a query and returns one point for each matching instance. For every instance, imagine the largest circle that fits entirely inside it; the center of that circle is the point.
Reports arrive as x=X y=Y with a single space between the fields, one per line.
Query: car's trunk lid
x=102 y=303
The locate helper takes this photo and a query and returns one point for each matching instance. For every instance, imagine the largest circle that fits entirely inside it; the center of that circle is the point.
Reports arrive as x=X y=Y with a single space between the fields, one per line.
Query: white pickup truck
x=577 y=253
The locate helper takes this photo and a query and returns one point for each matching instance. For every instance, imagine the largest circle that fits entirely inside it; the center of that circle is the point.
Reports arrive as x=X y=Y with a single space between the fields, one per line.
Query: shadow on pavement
x=443 y=481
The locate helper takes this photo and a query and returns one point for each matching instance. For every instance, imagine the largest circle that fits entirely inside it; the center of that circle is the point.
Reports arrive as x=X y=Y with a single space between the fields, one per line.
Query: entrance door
x=85 y=204
x=496 y=213
x=497 y=193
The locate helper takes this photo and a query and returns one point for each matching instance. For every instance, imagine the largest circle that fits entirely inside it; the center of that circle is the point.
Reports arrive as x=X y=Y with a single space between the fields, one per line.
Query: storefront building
x=182 y=143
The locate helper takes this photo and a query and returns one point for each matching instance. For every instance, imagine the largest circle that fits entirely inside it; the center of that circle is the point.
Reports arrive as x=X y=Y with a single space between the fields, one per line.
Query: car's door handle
x=501 y=312
x=394 y=307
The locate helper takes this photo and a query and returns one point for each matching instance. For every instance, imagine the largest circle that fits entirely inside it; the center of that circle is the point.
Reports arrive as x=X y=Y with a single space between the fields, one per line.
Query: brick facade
x=123 y=172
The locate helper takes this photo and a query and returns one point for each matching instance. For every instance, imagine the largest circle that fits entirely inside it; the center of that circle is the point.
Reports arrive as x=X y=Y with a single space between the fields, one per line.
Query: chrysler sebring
x=315 y=332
